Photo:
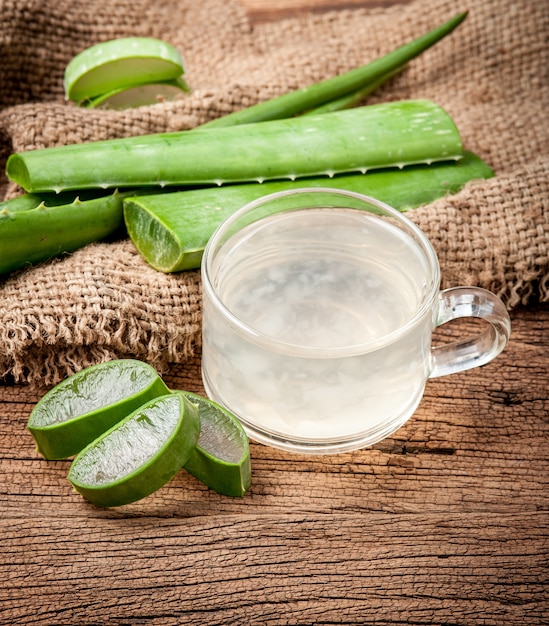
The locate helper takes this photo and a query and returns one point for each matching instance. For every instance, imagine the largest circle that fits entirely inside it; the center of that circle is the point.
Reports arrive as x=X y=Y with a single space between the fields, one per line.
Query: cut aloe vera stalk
x=221 y=458
x=140 y=95
x=138 y=455
x=392 y=134
x=83 y=406
x=120 y=63
x=171 y=230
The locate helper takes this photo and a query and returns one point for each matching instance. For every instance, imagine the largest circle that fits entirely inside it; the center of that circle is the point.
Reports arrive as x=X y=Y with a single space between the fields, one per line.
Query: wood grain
x=272 y=569
x=445 y=522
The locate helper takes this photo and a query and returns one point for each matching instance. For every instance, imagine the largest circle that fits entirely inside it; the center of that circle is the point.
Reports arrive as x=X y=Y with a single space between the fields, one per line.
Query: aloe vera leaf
x=381 y=135
x=221 y=457
x=301 y=100
x=171 y=230
x=29 y=201
x=40 y=233
x=120 y=62
x=352 y=99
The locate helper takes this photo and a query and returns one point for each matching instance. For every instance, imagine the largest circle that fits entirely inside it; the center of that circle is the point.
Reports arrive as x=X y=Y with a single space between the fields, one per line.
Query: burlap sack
x=104 y=301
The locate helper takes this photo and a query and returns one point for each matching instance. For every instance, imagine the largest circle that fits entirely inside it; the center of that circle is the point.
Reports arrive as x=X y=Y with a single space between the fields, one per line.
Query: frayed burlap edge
x=99 y=303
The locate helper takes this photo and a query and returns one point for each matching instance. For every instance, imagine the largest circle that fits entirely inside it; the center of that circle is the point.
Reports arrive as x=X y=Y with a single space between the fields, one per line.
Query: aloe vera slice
x=120 y=63
x=221 y=458
x=171 y=230
x=140 y=95
x=83 y=406
x=138 y=455
x=392 y=134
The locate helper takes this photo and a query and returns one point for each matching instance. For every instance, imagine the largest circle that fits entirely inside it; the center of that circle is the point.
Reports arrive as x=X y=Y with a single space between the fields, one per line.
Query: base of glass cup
x=358 y=441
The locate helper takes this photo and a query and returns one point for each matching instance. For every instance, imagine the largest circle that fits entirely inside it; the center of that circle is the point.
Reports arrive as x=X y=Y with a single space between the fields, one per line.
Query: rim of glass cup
x=318 y=352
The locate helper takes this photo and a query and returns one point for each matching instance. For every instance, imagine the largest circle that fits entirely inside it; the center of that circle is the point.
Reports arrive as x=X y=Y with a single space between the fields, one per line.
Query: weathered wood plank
x=306 y=569
x=478 y=442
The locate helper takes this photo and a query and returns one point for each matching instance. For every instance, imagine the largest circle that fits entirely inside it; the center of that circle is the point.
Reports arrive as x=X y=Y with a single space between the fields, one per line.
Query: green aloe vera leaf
x=221 y=458
x=139 y=454
x=354 y=98
x=376 y=136
x=24 y=202
x=29 y=201
x=83 y=406
x=359 y=79
x=118 y=63
x=139 y=95
x=170 y=230
x=30 y=234
x=301 y=100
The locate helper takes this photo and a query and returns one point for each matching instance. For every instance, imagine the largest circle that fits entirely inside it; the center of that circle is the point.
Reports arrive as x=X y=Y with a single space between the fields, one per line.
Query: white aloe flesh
x=140 y=95
x=221 y=457
x=393 y=134
x=120 y=62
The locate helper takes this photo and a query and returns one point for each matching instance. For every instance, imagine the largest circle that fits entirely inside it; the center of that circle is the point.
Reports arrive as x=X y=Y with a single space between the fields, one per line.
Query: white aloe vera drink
x=318 y=345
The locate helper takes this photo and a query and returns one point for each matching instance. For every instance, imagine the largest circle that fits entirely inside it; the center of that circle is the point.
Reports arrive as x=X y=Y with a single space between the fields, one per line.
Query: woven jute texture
x=105 y=302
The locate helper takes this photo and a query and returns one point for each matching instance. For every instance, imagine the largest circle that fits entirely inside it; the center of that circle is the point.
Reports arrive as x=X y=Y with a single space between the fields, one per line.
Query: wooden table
x=446 y=522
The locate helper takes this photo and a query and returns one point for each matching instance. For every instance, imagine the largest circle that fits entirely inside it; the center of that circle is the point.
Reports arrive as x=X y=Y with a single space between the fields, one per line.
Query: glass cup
x=318 y=311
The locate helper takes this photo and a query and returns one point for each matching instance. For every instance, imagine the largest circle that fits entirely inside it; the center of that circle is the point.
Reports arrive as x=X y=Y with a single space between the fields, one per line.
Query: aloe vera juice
x=309 y=342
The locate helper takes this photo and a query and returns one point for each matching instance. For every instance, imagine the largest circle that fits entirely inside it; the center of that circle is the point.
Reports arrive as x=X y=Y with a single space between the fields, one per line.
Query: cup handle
x=479 y=349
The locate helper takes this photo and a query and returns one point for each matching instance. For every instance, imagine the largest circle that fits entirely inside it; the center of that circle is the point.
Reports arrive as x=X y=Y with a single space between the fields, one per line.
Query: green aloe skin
x=30 y=232
x=139 y=454
x=117 y=63
x=369 y=137
x=221 y=457
x=362 y=78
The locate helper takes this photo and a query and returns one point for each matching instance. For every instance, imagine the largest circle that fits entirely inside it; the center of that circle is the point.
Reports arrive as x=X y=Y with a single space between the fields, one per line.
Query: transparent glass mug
x=318 y=311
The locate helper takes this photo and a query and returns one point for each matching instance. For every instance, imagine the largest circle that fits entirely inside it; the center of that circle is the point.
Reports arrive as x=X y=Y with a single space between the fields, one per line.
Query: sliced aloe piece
x=83 y=406
x=138 y=455
x=120 y=63
x=140 y=95
x=221 y=458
